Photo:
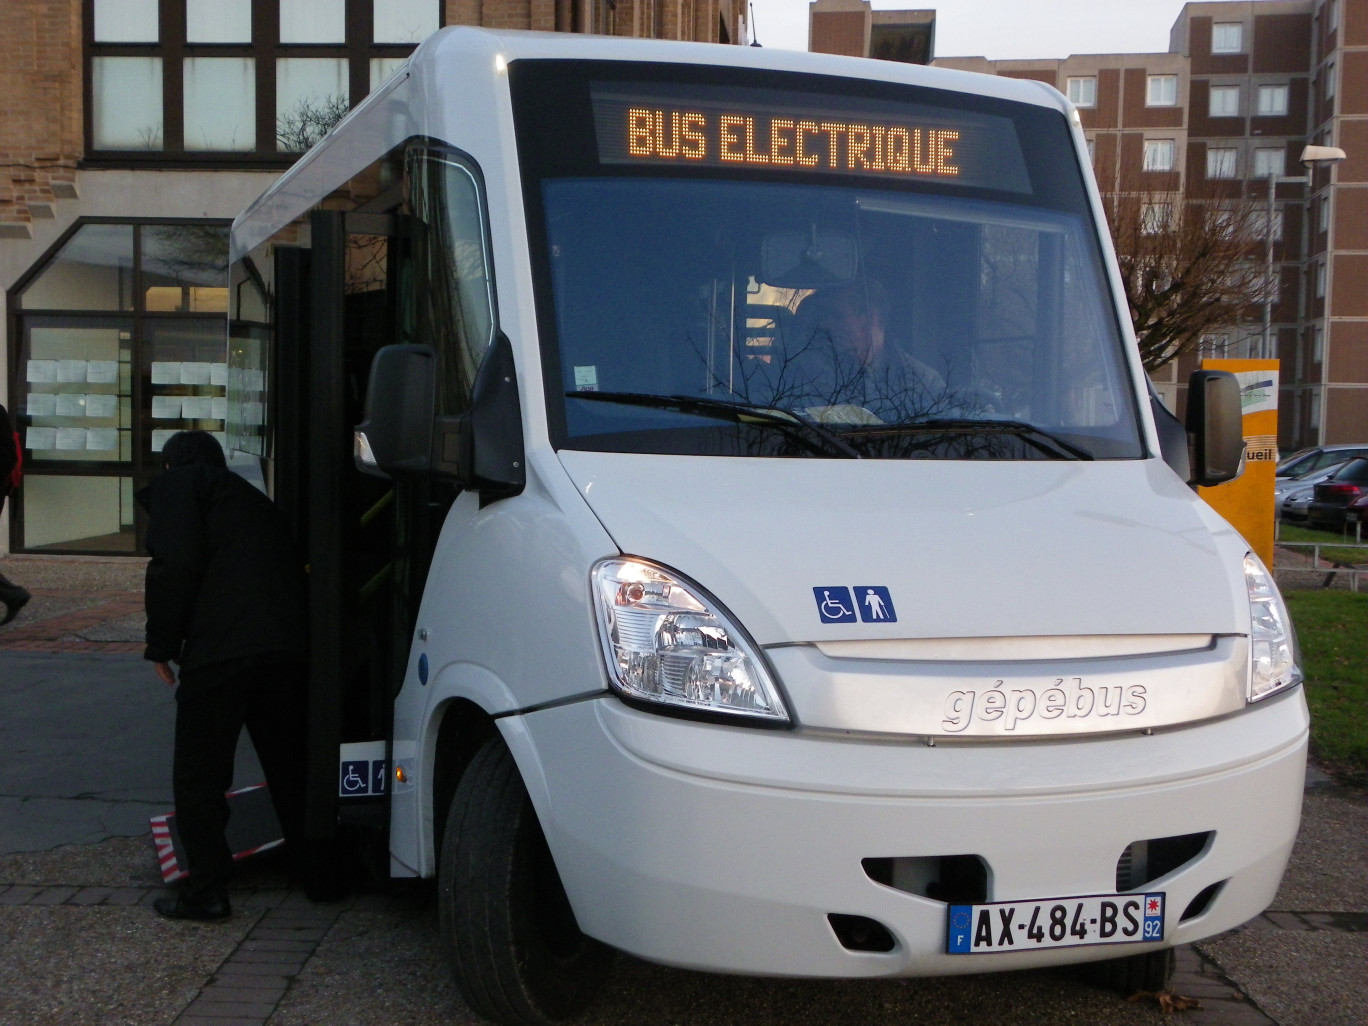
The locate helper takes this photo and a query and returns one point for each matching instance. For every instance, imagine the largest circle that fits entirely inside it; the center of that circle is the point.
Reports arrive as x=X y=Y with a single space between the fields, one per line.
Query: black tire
x=518 y=955
x=1151 y=971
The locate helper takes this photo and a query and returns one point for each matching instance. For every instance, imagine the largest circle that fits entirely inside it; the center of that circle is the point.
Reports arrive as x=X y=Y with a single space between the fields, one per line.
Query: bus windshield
x=714 y=310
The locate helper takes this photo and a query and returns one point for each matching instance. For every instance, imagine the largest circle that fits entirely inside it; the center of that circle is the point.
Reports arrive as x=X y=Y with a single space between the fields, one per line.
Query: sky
x=1004 y=29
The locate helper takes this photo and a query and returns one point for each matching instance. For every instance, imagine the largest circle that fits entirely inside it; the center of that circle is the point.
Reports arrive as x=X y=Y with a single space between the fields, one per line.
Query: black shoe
x=12 y=606
x=202 y=908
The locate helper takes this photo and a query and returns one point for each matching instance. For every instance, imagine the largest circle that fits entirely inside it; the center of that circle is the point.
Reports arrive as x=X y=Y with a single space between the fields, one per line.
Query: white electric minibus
x=741 y=532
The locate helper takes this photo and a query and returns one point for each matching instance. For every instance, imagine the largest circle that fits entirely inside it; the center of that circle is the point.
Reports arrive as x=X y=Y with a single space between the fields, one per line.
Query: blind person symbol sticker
x=876 y=605
x=869 y=602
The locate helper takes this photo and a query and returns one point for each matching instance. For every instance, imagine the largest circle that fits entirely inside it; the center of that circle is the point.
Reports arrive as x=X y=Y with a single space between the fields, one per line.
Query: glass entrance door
x=122 y=343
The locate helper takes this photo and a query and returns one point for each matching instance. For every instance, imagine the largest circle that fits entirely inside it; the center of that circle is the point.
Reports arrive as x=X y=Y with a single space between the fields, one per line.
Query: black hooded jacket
x=225 y=580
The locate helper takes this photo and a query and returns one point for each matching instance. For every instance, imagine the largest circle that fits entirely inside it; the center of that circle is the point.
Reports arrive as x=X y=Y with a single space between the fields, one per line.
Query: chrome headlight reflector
x=1273 y=657
x=667 y=642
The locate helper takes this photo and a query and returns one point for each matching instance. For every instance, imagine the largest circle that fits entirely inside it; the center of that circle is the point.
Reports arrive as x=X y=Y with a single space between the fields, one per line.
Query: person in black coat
x=13 y=596
x=225 y=597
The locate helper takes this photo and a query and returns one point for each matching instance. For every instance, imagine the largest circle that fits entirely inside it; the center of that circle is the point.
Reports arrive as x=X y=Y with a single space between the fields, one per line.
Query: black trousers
x=9 y=591
x=267 y=695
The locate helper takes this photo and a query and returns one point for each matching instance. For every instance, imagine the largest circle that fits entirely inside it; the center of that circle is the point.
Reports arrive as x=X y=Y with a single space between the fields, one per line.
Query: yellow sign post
x=1247 y=502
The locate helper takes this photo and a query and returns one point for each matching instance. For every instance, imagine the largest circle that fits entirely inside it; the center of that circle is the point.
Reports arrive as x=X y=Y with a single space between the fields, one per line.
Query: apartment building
x=131 y=132
x=854 y=29
x=1244 y=86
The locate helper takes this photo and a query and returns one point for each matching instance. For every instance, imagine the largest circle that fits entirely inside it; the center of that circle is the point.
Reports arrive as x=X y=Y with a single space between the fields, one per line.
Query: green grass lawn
x=1332 y=627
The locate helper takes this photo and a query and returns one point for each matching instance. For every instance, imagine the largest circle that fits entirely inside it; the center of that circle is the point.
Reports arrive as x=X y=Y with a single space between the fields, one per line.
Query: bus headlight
x=1273 y=653
x=667 y=642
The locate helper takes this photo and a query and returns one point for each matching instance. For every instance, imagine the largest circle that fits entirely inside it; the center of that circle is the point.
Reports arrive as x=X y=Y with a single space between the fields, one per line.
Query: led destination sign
x=735 y=138
x=879 y=139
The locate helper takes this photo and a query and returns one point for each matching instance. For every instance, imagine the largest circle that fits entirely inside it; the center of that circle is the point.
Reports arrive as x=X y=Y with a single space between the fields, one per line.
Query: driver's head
x=853 y=316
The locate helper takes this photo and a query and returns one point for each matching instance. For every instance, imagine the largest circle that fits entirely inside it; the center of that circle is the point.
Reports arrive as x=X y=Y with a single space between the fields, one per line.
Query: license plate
x=1054 y=923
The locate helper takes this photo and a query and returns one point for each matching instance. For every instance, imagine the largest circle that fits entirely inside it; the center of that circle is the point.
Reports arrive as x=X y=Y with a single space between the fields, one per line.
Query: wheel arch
x=462 y=728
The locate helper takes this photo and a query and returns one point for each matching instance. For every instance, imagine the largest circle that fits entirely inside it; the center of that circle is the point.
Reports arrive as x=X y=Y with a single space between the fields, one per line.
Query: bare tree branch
x=309 y=121
x=1189 y=266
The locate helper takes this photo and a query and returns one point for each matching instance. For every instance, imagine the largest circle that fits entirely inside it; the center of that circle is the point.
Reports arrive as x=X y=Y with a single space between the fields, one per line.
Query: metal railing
x=1331 y=568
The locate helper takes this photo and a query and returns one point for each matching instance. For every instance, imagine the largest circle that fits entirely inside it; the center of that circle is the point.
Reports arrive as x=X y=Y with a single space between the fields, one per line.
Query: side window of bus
x=450 y=302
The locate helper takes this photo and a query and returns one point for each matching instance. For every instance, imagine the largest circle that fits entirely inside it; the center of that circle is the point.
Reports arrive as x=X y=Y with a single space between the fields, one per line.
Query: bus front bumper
x=727 y=849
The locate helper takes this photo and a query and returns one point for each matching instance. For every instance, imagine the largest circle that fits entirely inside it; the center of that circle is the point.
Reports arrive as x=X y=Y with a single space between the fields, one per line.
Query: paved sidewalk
x=84 y=761
x=80 y=604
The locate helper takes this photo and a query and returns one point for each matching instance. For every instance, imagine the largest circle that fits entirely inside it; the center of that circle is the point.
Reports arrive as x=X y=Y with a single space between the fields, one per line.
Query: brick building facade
x=1243 y=88
x=131 y=132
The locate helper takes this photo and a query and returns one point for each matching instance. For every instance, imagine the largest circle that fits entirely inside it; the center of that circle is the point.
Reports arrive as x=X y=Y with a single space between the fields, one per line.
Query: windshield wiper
x=1037 y=438
x=738 y=413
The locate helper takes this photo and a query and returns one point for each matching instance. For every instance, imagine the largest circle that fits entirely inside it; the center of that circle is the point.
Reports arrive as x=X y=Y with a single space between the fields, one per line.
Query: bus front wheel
x=518 y=955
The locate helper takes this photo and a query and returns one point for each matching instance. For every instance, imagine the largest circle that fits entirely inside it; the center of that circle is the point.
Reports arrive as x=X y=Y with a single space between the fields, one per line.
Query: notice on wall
x=196 y=407
x=71 y=371
x=70 y=404
x=41 y=438
x=218 y=374
x=69 y=438
x=102 y=406
x=166 y=407
x=102 y=372
x=164 y=373
x=41 y=371
x=195 y=373
x=159 y=438
x=102 y=439
x=218 y=407
x=42 y=404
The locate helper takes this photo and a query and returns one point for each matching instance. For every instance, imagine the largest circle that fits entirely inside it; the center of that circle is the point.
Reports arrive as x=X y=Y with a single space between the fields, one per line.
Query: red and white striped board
x=252 y=829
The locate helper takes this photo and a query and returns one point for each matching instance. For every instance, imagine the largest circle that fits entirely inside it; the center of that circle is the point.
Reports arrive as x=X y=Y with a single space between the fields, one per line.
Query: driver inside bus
x=843 y=357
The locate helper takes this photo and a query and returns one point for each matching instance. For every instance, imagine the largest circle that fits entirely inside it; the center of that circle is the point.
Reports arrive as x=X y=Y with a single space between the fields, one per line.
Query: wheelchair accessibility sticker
x=870 y=602
x=362 y=769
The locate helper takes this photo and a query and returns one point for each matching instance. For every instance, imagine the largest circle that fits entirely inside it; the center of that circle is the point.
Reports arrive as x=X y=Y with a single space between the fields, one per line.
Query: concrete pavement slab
x=1329 y=867
x=1300 y=978
x=85 y=748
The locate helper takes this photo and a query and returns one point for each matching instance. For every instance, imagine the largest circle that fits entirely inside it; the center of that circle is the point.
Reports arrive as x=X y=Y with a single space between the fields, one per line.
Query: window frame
x=1235 y=28
x=1156 y=146
x=1214 y=164
x=1155 y=217
x=265 y=48
x=1164 y=79
x=1087 y=84
x=1271 y=89
x=1224 y=90
x=141 y=321
x=1264 y=154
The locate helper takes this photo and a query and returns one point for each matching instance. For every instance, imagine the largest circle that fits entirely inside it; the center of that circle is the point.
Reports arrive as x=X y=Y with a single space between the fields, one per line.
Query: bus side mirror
x=1214 y=427
x=396 y=435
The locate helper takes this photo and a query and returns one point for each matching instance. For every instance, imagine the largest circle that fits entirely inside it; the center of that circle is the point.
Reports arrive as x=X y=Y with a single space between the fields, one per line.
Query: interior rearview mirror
x=808 y=259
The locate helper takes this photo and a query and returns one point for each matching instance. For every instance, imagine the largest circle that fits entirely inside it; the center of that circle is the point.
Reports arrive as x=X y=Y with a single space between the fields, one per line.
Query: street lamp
x=1311 y=157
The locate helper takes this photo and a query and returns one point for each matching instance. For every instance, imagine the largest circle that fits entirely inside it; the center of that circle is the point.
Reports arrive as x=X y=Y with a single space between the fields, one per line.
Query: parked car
x=1303 y=461
x=1357 y=511
x=1292 y=509
x=1302 y=483
x=1331 y=498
